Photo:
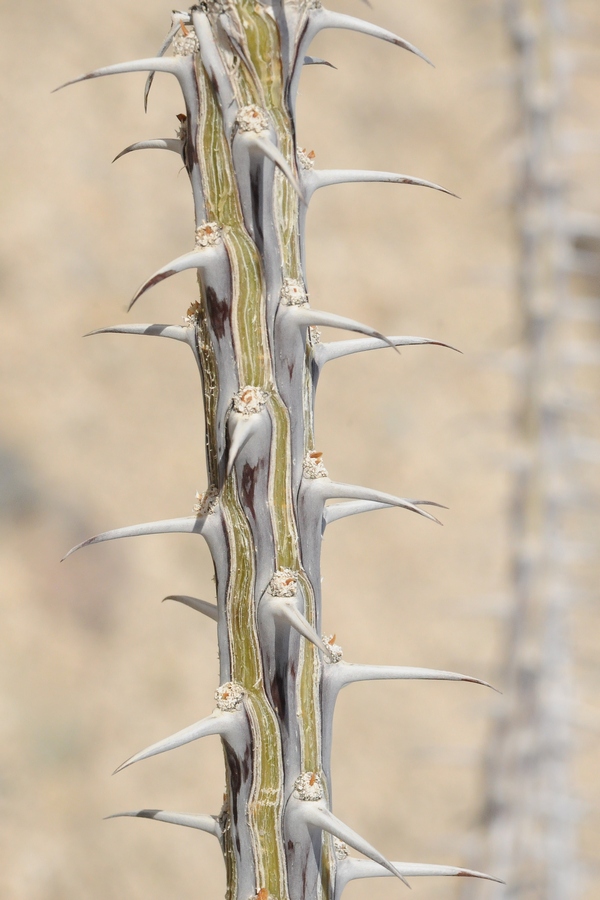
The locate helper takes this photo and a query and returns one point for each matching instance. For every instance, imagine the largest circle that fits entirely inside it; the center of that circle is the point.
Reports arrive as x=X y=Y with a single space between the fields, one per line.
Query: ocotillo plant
x=531 y=812
x=256 y=341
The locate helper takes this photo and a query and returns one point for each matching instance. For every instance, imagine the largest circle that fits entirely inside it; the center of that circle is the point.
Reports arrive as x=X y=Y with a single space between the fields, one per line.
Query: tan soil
x=106 y=431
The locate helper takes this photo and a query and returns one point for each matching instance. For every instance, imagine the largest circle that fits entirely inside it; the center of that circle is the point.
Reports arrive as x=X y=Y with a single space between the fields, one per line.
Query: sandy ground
x=107 y=431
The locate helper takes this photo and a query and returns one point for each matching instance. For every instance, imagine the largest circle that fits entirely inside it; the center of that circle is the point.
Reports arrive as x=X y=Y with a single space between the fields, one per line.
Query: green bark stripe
x=246 y=667
x=284 y=523
x=264 y=811
x=266 y=803
x=218 y=180
x=252 y=353
x=286 y=200
x=308 y=688
x=263 y=46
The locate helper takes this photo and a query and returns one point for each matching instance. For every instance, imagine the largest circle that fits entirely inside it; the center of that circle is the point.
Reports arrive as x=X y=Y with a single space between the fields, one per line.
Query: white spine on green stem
x=263 y=512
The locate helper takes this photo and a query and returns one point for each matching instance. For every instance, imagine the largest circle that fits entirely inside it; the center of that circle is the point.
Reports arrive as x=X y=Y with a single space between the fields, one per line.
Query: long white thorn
x=221 y=723
x=313 y=179
x=327 y=351
x=178 y=18
x=317 y=815
x=152 y=64
x=264 y=145
x=203 y=606
x=186 y=525
x=175 y=332
x=209 y=824
x=240 y=429
x=332 y=490
x=197 y=259
x=326 y=18
x=352 y=508
x=173 y=144
x=343 y=673
x=305 y=316
x=351 y=868
x=286 y=609
x=355 y=507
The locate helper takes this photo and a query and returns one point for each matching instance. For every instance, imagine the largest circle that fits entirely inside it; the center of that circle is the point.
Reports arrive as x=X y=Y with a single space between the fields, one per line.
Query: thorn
x=332 y=490
x=217 y=723
x=336 y=349
x=240 y=429
x=176 y=332
x=173 y=144
x=319 y=178
x=197 y=259
x=350 y=673
x=322 y=19
x=154 y=64
x=317 y=61
x=352 y=868
x=203 y=606
x=285 y=608
x=268 y=148
x=317 y=814
x=176 y=23
x=209 y=824
x=186 y=525
x=307 y=316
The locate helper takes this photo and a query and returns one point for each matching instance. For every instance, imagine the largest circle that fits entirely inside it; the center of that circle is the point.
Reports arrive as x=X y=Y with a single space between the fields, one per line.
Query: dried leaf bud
x=249 y=400
x=306 y=160
x=341 y=849
x=313 y=465
x=208 y=235
x=293 y=293
x=335 y=651
x=206 y=503
x=284 y=583
x=308 y=786
x=185 y=42
x=252 y=118
x=229 y=696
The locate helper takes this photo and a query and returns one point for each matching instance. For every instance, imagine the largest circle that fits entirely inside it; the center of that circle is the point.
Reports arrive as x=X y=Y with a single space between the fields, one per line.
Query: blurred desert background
x=107 y=431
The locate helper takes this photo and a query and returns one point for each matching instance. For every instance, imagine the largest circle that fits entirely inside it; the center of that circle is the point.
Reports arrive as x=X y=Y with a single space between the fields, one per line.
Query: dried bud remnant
x=193 y=313
x=284 y=583
x=341 y=849
x=206 y=503
x=208 y=235
x=293 y=293
x=249 y=400
x=313 y=465
x=229 y=696
x=262 y=894
x=308 y=786
x=182 y=132
x=306 y=158
x=185 y=42
x=252 y=118
x=335 y=651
